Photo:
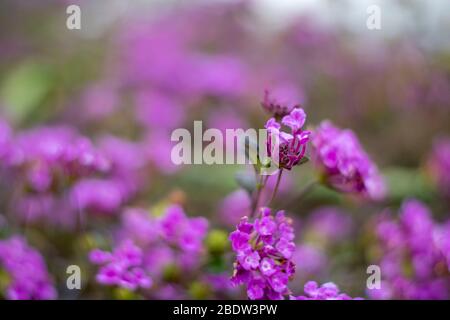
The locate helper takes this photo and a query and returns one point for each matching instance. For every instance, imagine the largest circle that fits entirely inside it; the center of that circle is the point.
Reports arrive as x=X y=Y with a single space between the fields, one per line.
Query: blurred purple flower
x=100 y=196
x=29 y=278
x=344 y=164
x=327 y=291
x=414 y=259
x=122 y=267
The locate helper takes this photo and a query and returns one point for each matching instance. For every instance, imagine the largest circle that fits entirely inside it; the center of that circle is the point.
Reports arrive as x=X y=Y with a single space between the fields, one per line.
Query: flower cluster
x=26 y=269
x=415 y=255
x=156 y=247
x=183 y=232
x=439 y=165
x=122 y=267
x=264 y=250
x=327 y=291
x=59 y=170
x=48 y=151
x=291 y=147
x=344 y=164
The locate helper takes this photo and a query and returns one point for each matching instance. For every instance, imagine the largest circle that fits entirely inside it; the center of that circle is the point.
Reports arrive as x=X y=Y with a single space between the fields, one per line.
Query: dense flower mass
x=327 y=291
x=151 y=247
x=58 y=170
x=344 y=163
x=415 y=254
x=46 y=152
x=122 y=267
x=291 y=147
x=27 y=274
x=264 y=250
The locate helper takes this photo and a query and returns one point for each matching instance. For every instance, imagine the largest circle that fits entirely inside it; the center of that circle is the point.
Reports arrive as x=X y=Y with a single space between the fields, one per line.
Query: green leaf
x=24 y=89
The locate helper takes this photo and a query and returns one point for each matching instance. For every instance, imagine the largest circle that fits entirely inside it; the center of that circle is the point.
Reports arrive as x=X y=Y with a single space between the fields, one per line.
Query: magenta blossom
x=291 y=146
x=264 y=250
x=344 y=164
x=29 y=278
x=414 y=255
x=123 y=267
x=327 y=291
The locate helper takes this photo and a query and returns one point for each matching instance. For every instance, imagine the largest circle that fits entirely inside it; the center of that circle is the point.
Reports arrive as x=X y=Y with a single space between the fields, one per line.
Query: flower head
x=263 y=250
x=327 y=291
x=123 y=267
x=291 y=147
x=27 y=270
x=344 y=164
x=414 y=255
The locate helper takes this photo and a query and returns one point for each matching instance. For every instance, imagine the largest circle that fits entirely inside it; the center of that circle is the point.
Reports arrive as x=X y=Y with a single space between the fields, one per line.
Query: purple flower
x=122 y=267
x=29 y=279
x=263 y=251
x=177 y=228
x=291 y=147
x=104 y=196
x=267 y=266
x=249 y=259
x=98 y=256
x=414 y=255
x=295 y=120
x=265 y=226
x=255 y=289
x=345 y=165
x=327 y=291
x=148 y=246
x=279 y=282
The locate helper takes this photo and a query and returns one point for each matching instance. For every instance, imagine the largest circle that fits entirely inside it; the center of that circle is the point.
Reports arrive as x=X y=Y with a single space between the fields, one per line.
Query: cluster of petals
x=327 y=291
x=264 y=251
x=415 y=255
x=290 y=147
x=344 y=163
x=26 y=270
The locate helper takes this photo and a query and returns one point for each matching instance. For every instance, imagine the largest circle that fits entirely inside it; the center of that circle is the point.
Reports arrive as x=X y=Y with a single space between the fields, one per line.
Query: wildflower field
x=101 y=199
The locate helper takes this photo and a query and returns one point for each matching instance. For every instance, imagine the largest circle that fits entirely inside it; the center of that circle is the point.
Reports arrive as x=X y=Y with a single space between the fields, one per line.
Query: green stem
x=275 y=190
x=259 y=188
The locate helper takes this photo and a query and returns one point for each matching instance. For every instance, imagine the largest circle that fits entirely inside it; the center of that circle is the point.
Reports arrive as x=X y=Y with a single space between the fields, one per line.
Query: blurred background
x=137 y=70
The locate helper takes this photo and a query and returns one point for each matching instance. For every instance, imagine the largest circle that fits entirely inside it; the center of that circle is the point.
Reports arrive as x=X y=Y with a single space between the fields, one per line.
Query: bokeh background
x=137 y=70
